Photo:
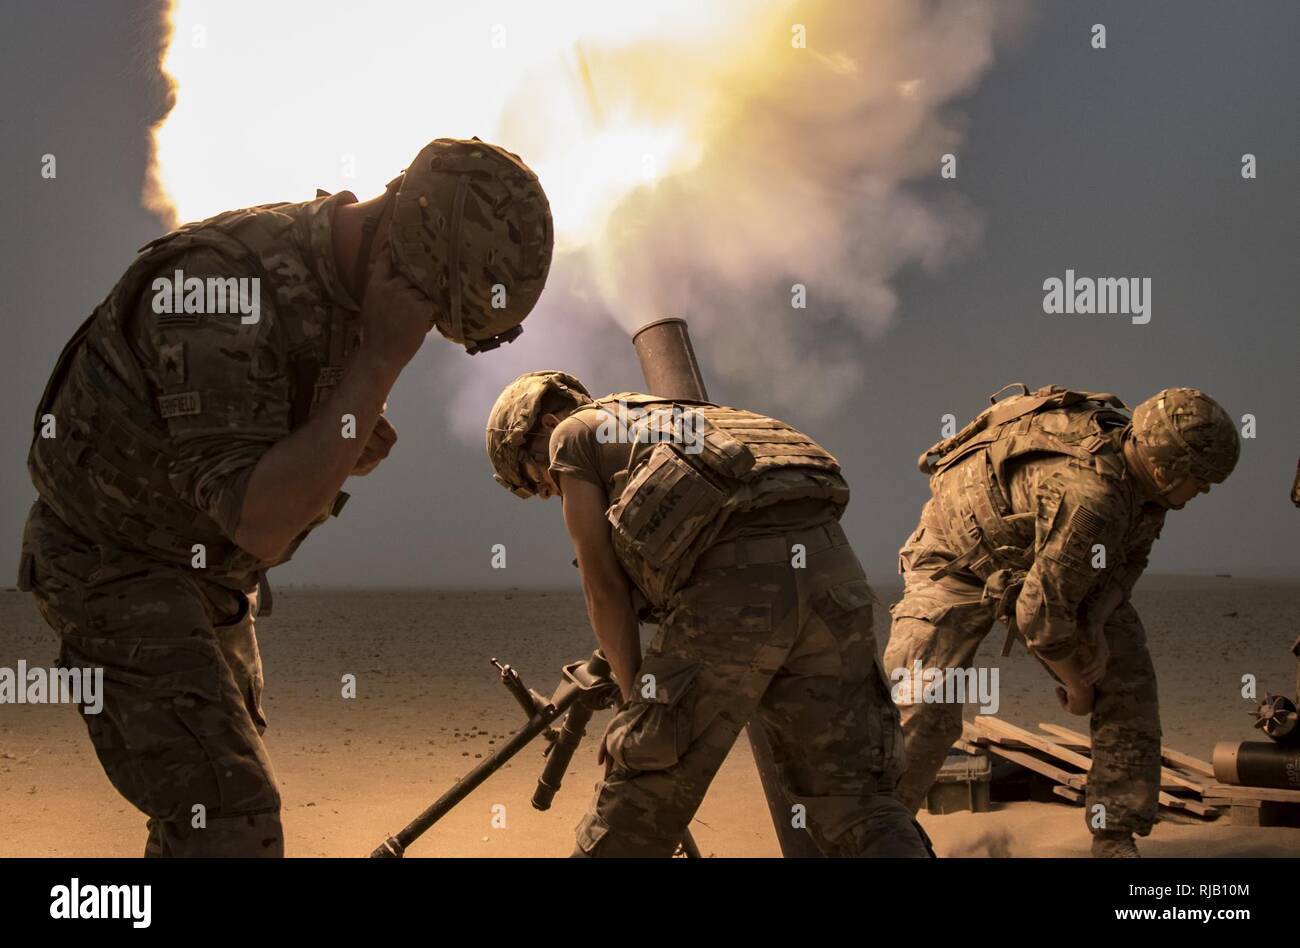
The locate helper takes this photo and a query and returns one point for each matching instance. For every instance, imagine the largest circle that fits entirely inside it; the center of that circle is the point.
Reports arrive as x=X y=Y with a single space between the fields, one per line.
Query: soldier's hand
x=380 y=442
x=1077 y=701
x=396 y=315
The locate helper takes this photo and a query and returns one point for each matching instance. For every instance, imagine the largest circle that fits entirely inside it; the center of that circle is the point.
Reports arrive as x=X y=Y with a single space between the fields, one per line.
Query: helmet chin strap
x=368 y=230
x=1145 y=474
x=453 y=262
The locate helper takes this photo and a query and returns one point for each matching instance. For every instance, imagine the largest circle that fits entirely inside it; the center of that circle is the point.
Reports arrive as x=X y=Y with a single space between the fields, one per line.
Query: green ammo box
x=962 y=784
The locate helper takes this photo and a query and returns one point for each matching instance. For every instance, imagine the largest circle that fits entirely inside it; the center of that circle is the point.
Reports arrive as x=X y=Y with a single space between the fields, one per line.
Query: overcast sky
x=1122 y=162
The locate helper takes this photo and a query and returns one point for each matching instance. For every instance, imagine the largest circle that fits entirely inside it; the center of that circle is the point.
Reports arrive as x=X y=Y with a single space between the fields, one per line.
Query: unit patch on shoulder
x=180 y=404
x=1081 y=532
x=171 y=359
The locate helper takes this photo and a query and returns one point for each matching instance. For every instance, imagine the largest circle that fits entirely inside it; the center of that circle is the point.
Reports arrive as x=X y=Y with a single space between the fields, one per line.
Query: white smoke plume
x=702 y=158
x=801 y=176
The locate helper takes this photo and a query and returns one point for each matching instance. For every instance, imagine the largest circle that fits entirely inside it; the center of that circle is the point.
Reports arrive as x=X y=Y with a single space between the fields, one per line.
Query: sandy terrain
x=429 y=705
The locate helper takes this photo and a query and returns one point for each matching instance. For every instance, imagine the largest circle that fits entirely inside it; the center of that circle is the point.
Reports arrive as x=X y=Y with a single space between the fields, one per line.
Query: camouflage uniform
x=745 y=635
x=762 y=643
x=161 y=413
x=941 y=623
x=160 y=420
x=182 y=718
x=1034 y=518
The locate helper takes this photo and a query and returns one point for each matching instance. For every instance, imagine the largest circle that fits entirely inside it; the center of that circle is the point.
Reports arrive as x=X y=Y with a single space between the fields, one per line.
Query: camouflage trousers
x=790 y=650
x=179 y=733
x=940 y=623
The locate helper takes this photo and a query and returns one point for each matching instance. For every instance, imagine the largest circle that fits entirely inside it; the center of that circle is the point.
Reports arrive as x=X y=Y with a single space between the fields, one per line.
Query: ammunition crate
x=962 y=784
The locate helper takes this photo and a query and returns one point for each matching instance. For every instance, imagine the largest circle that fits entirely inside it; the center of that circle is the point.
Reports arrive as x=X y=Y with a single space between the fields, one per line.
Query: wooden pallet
x=1062 y=756
x=1256 y=806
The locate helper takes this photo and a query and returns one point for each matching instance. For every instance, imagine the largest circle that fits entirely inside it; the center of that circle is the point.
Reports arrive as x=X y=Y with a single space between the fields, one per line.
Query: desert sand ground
x=429 y=706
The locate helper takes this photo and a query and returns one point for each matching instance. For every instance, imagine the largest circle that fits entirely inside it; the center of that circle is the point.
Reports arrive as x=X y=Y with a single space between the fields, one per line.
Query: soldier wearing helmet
x=202 y=421
x=1042 y=514
x=725 y=523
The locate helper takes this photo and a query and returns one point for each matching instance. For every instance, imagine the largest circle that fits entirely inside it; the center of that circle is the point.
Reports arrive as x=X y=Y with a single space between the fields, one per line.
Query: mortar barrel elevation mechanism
x=585 y=689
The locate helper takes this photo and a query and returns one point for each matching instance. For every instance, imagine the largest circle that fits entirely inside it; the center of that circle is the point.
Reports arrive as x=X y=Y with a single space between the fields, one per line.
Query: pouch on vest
x=666 y=505
x=743 y=445
x=983 y=429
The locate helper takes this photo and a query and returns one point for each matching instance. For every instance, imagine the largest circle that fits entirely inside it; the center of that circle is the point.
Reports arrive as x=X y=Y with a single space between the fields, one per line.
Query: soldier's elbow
x=605 y=589
x=262 y=541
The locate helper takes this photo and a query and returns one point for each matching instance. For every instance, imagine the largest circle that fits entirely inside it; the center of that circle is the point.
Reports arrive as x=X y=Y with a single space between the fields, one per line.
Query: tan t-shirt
x=576 y=451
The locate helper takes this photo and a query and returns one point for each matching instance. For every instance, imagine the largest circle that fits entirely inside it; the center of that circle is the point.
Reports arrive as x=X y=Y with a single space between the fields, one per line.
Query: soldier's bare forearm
x=299 y=476
x=617 y=630
x=604 y=584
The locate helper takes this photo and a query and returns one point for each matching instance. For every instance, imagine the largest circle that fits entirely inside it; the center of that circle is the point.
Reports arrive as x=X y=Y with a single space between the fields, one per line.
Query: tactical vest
x=691 y=464
x=968 y=472
x=106 y=471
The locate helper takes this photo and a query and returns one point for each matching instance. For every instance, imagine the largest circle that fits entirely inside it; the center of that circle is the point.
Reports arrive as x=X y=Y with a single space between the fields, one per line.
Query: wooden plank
x=1065 y=735
x=1187 y=762
x=1172 y=780
x=1191 y=806
x=1234 y=793
x=1218 y=801
x=1080 y=781
x=1065 y=732
x=1030 y=762
x=997 y=729
x=1226 y=802
x=1074 y=796
x=1167 y=777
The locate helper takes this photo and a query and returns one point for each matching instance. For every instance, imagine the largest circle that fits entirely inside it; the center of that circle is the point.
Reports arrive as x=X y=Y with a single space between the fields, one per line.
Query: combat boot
x=1114 y=844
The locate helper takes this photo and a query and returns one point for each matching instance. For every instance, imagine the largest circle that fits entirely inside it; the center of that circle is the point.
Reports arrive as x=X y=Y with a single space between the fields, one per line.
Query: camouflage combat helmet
x=471 y=227
x=1181 y=433
x=516 y=411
